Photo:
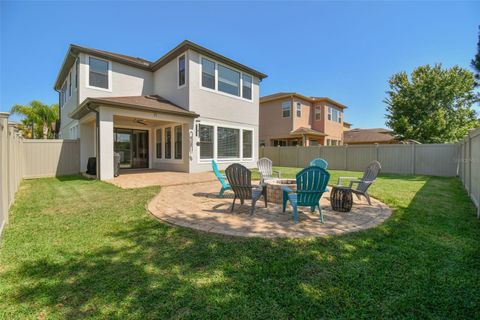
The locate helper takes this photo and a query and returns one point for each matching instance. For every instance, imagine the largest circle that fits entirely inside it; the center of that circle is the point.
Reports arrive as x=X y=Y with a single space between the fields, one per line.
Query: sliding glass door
x=132 y=145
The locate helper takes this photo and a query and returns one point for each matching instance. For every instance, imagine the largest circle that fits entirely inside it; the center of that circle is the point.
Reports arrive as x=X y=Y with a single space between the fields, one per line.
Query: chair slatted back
x=319 y=162
x=218 y=174
x=311 y=183
x=265 y=167
x=240 y=179
x=371 y=172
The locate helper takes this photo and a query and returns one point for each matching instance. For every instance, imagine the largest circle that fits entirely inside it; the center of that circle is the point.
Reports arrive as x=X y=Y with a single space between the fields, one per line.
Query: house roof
x=282 y=95
x=309 y=131
x=153 y=103
x=368 y=135
x=144 y=64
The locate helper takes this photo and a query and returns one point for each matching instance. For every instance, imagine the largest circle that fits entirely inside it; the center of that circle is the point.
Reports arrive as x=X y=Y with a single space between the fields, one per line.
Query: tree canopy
x=39 y=119
x=475 y=63
x=433 y=105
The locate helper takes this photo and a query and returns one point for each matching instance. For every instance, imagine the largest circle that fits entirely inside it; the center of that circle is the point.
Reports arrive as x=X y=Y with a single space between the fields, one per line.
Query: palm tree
x=39 y=114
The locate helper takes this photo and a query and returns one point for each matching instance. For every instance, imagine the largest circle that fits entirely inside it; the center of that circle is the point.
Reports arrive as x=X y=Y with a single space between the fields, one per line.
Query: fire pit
x=274 y=188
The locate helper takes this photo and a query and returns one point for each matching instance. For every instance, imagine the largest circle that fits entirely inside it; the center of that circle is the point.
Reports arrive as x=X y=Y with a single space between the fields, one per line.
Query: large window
x=159 y=143
x=208 y=74
x=98 y=74
x=228 y=143
x=228 y=80
x=299 y=110
x=181 y=71
x=247 y=143
x=178 y=142
x=168 y=143
x=286 y=109
x=334 y=115
x=247 y=87
x=206 y=142
x=318 y=112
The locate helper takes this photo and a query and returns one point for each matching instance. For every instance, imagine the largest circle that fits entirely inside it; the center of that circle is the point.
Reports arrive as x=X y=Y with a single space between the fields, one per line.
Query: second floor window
x=228 y=80
x=247 y=87
x=318 y=113
x=77 y=64
x=299 y=110
x=208 y=74
x=98 y=74
x=334 y=115
x=181 y=71
x=286 y=109
x=63 y=94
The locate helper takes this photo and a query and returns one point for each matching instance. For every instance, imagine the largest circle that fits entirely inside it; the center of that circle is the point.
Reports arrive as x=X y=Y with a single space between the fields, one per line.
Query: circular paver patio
x=198 y=206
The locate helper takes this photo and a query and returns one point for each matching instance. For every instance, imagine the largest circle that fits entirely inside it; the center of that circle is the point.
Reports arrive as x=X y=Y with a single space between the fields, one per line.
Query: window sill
x=225 y=94
x=99 y=89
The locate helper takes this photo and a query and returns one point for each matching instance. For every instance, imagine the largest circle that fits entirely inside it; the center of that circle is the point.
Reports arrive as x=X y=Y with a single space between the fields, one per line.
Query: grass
x=77 y=248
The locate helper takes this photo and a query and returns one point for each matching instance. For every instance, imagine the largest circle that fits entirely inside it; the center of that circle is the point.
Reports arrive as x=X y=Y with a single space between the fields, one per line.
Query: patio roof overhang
x=151 y=103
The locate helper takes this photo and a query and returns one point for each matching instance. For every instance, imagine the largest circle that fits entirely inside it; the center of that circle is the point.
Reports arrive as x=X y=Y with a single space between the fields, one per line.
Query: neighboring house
x=290 y=119
x=371 y=136
x=177 y=113
x=347 y=126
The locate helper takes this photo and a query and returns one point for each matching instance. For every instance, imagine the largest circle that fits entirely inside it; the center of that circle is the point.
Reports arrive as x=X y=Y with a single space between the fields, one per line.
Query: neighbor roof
x=303 y=130
x=73 y=51
x=368 y=135
x=282 y=95
x=153 y=103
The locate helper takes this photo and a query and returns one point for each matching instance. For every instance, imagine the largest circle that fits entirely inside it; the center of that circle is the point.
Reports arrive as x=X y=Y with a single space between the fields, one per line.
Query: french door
x=132 y=145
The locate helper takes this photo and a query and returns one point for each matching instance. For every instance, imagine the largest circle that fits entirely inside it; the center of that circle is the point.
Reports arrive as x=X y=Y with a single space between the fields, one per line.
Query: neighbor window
x=247 y=143
x=178 y=142
x=299 y=110
x=334 y=115
x=168 y=143
x=279 y=143
x=247 y=87
x=206 y=142
x=208 y=73
x=286 y=109
x=159 y=143
x=228 y=80
x=181 y=71
x=318 y=113
x=228 y=143
x=98 y=74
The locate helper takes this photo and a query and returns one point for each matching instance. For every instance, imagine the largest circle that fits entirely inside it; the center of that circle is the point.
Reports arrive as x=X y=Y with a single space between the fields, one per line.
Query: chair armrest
x=345 y=178
x=360 y=181
x=278 y=173
x=287 y=189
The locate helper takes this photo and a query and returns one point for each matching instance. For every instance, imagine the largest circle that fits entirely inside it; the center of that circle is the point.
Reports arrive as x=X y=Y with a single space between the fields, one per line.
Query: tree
x=41 y=117
x=434 y=105
x=475 y=63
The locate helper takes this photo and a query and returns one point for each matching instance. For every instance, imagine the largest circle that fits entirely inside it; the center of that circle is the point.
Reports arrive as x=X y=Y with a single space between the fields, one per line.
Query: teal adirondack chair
x=311 y=183
x=319 y=162
x=221 y=178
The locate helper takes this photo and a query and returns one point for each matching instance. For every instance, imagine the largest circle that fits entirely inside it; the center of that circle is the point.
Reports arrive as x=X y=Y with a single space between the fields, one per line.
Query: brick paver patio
x=197 y=206
x=134 y=178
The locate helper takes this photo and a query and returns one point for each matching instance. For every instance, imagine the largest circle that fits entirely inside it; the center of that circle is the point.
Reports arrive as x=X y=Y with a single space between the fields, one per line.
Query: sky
x=343 y=50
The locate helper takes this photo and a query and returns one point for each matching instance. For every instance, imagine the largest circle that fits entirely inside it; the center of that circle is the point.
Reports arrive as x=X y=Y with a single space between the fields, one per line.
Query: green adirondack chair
x=319 y=162
x=221 y=178
x=311 y=184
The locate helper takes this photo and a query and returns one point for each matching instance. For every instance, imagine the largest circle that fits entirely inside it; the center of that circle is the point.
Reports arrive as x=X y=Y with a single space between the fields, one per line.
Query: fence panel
x=287 y=156
x=396 y=158
x=335 y=157
x=475 y=168
x=358 y=157
x=445 y=158
x=307 y=154
x=50 y=158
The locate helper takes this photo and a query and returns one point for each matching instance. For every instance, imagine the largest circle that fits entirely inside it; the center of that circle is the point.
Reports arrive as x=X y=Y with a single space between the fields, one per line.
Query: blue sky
x=343 y=50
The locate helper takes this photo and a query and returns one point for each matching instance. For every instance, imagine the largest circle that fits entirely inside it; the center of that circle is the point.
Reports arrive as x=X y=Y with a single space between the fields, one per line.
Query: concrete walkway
x=140 y=178
x=197 y=206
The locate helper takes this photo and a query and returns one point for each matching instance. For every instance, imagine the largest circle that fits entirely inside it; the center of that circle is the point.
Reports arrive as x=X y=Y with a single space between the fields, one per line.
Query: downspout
x=97 y=136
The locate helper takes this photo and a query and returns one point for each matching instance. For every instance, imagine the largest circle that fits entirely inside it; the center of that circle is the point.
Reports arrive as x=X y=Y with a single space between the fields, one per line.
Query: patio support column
x=106 y=143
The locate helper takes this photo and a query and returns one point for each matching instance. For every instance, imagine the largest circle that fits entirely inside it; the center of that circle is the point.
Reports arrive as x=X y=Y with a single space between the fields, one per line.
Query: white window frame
x=178 y=70
x=87 y=78
x=298 y=109
x=289 y=109
x=240 y=97
x=215 y=143
x=156 y=143
x=172 y=143
x=318 y=111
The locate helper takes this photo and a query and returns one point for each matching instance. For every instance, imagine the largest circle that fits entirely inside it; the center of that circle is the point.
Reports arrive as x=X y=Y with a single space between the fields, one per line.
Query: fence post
x=3 y=170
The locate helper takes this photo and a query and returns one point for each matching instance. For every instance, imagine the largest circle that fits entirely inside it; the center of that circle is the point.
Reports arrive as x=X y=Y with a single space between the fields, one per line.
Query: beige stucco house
x=289 y=119
x=177 y=113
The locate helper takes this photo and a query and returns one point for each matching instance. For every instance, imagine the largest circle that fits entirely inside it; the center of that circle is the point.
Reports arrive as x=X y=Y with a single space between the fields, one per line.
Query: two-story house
x=290 y=119
x=177 y=113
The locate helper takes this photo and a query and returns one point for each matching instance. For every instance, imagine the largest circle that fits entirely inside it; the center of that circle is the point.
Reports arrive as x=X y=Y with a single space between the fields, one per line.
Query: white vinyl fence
x=469 y=166
x=427 y=159
x=22 y=158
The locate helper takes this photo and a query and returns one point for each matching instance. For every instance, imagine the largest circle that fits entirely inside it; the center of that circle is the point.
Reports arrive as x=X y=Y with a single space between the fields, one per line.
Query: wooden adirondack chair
x=319 y=162
x=265 y=168
x=240 y=179
x=221 y=178
x=369 y=176
x=311 y=184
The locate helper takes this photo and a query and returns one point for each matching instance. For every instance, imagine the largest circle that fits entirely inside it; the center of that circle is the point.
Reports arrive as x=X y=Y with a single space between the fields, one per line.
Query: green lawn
x=83 y=248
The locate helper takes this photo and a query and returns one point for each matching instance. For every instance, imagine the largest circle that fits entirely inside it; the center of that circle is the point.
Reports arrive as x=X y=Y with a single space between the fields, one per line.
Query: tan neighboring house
x=371 y=136
x=179 y=112
x=290 y=119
